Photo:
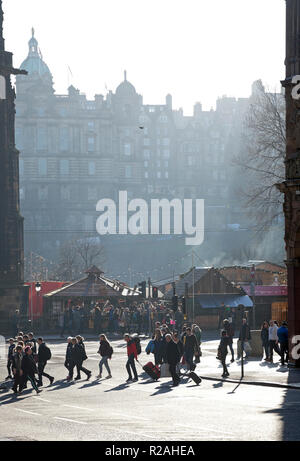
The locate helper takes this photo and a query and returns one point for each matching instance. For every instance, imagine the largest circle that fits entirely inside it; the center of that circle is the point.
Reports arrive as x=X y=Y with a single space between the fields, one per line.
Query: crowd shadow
x=60 y=384
x=120 y=387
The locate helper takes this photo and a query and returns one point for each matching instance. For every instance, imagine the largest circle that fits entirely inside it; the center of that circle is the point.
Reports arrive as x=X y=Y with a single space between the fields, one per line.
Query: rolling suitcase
x=195 y=378
x=152 y=371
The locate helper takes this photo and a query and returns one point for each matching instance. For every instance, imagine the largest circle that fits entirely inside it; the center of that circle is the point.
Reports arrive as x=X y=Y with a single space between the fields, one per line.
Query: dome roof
x=34 y=63
x=125 y=89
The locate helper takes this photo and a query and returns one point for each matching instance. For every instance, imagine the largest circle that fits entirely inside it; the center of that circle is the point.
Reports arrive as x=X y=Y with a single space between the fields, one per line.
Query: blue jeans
x=104 y=361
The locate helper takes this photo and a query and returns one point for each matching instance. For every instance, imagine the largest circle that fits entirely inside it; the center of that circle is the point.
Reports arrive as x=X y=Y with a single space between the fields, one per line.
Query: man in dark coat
x=190 y=347
x=222 y=352
x=29 y=368
x=80 y=358
x=43 y=356
x=17 y=369
x=173 y=358
x=245 y=335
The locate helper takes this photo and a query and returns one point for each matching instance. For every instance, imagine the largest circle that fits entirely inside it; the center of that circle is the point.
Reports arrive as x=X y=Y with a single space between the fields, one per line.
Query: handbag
x=247 y=347
x=165 y=371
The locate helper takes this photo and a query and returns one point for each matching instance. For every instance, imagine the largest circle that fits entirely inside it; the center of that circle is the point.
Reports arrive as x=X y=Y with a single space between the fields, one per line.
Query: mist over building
x=76 y=151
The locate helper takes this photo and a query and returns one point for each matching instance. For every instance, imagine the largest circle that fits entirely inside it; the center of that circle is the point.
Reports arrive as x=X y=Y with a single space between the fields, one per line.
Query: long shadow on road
x=289 y=411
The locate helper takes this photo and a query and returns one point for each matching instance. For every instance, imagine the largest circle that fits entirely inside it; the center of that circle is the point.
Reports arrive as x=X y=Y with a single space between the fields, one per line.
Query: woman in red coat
x=132 y=354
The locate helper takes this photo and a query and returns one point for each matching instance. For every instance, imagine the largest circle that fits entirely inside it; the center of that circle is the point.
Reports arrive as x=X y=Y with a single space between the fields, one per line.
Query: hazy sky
x=196 y=50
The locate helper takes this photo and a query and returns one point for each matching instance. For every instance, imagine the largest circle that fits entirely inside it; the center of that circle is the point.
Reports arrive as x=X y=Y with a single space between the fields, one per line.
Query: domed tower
x=39 y=75
x=126 y=100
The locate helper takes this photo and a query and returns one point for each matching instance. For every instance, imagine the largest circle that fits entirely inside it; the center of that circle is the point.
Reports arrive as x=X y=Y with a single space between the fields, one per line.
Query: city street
x=111 y=410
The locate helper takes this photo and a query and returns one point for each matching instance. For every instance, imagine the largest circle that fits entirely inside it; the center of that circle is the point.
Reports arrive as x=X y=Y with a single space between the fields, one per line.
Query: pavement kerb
x=253 y=383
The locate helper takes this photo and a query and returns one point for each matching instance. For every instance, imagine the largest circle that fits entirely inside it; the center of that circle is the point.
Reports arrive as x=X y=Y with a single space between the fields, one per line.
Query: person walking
x=230 y=334
x=223 y=351
x=75 y=357
x=44 y=354
x=190 y=346
x=264 y=335
x=29 y=369
x=173 y=358
x=68 y=358
x=81 y=358
x=283 y=339
x=273 y=340
x=157 y=347
x=10 y=354
x=244 y=337
x=17 y=370
x=106 y=351
x=132 y=354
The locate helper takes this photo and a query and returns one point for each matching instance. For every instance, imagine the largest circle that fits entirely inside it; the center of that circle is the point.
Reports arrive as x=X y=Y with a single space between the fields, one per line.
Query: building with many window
x=76 y=151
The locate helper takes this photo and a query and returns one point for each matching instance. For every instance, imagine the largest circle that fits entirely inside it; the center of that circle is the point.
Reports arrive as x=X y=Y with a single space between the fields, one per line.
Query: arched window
x=2 y=87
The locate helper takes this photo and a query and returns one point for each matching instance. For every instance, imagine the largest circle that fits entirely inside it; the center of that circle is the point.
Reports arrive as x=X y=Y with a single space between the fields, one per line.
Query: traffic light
x=143 y=288
x=175 y=303
x=183 y=305
x=154 y=292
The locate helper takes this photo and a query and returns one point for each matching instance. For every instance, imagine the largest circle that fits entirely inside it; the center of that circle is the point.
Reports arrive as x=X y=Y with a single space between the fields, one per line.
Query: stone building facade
x=75 y=151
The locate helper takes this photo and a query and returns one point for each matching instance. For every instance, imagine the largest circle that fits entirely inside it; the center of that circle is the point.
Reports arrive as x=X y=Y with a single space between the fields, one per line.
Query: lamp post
x=38 y=288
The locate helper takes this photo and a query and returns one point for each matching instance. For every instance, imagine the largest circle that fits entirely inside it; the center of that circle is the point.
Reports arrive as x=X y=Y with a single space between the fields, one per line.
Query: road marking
x=78 y=408
x=206 y=429
x=29 y=412
x=131 y=417
x=40 y=398
x=69 y=420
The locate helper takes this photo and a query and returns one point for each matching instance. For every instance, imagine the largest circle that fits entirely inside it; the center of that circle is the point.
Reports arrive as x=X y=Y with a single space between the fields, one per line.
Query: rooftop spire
x=125 y=75
x=1 y=27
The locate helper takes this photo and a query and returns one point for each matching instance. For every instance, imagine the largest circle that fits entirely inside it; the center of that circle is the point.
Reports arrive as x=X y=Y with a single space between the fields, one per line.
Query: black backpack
x=137 y=344
x=47 y=353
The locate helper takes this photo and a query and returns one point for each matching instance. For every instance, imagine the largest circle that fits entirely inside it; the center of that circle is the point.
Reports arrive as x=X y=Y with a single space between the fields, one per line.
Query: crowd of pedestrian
x=170 y=347
x=275 y=338
x=27 y=357
x=117 y=318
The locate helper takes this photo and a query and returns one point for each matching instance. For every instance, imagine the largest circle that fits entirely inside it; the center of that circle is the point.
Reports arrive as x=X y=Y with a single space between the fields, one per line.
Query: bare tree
x=68 y=267
x=90 y=251
x=79 y=254
x=261 y=161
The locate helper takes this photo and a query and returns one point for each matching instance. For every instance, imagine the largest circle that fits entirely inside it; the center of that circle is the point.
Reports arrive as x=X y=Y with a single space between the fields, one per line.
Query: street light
x=38 y=287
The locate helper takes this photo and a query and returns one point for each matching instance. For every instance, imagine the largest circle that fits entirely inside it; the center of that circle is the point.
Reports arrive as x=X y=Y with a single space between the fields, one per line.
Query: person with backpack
x=106 y=351
x=132 y=354
x=44 y=354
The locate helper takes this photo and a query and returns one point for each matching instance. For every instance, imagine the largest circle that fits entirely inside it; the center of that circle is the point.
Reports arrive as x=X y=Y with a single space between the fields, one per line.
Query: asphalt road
x=111 y=410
